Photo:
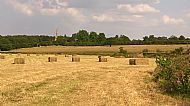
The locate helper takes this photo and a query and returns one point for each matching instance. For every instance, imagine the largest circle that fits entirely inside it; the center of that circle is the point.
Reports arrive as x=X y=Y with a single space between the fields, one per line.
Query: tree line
x=83 y=38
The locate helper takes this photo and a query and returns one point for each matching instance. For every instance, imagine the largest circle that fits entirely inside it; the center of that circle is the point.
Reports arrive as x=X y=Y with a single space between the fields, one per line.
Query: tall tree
x=93 y=36
x=181 y=37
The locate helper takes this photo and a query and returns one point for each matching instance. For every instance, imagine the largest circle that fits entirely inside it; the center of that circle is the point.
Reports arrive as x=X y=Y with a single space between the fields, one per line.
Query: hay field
x=98 y=49
x=85 y=83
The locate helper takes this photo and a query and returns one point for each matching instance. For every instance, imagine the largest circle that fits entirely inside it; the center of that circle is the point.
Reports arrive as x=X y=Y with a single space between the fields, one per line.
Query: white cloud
x=23 y=8
x=76 y=13
x=70 y=11
x=138 y=16
x=103 y=18
x=139 y=8
x=188 y=14
x=49 y=11
x=62 y=2
x=50 y=8
x=130 y=18
x=157 y=1
x=116 y=18
x=172 y=21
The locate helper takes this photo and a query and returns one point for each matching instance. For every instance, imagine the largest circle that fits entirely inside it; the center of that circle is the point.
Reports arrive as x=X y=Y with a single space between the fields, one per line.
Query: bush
x=173 y=74
x=178 y=51
x=121 y=52
x=145 y=52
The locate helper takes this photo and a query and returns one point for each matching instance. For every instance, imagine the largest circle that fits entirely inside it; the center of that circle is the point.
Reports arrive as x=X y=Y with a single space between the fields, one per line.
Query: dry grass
x=2 y=57
x=98 y=49
x=136 y=55
x=87 y=83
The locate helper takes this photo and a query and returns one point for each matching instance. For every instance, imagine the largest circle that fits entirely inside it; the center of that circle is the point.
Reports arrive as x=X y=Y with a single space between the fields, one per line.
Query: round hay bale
x=37 y=54
x=2 y=57
x=75 y=59
x=52 y=59
x=102 y=59
x=19 y=61
x=28 y=54
x=132 y=61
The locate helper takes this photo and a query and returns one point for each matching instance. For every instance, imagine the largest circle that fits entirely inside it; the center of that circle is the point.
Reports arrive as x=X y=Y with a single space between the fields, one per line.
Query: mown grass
x=89 y=82
x=98 y=49
x=40 y=93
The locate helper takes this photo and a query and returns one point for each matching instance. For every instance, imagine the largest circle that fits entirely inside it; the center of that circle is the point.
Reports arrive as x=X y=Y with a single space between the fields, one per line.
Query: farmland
x=95 y=53
x=84 y=83
x=106 y=50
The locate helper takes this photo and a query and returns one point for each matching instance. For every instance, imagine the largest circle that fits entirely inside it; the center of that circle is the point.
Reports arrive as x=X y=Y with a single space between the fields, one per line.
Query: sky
x=134 y=18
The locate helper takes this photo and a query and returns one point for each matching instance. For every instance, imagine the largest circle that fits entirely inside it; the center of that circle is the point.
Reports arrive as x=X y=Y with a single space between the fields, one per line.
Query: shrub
x=145 y=52
x=121 y=52
x=178 y=51
x=173 y=74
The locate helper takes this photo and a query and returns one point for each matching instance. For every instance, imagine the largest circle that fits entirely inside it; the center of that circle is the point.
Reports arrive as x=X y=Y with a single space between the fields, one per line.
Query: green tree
x=93 y=36
x=81 y=36
x=181 y=37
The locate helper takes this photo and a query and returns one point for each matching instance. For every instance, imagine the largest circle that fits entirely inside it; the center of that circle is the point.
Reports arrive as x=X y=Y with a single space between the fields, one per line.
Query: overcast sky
x=134 y=18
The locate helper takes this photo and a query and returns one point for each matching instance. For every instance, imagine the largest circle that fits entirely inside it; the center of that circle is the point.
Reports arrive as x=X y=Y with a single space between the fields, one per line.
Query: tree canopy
x=83 y=38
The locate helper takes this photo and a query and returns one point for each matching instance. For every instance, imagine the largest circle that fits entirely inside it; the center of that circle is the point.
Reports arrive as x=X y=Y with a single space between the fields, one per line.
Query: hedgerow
x=173 y=74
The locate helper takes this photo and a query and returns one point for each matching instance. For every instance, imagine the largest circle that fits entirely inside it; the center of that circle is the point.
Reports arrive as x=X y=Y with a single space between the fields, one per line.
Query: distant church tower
x=56 y=34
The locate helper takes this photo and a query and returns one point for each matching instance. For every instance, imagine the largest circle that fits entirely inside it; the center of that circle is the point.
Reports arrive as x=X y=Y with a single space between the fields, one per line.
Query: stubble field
x=85 y=83
x=106 y=50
